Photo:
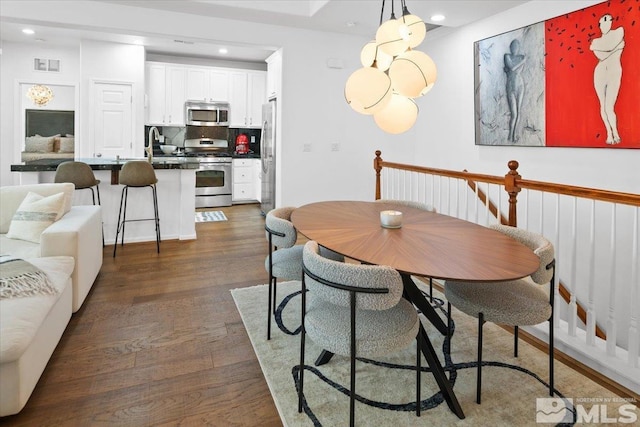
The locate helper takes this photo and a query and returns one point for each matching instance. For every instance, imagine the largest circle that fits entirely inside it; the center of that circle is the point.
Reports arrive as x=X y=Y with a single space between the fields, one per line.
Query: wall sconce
x=393 y=74
x=40 y=95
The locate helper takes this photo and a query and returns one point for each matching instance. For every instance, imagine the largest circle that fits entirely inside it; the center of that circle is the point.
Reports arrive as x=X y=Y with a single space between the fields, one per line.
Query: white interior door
x=113 y=130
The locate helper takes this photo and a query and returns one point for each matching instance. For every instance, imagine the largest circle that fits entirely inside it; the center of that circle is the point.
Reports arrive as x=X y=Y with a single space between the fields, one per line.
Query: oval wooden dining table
x=427 y=244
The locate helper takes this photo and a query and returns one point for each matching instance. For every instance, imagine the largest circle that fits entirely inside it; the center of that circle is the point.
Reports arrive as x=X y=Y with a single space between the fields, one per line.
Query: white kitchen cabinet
x=176 y=95
x=207 y=84
x=219 y=85
x=166 y=94
x=244 y=186
x=198 y=84
x=257 y=170
x=247 y=93
x=156 y=93
x=274 y=74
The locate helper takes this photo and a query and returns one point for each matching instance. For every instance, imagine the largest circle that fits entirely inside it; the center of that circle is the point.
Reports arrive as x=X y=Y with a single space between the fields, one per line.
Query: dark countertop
x=102 y=163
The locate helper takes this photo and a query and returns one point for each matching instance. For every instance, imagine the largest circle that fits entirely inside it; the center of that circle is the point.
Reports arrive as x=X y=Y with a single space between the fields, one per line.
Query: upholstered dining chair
x=514 y=303
x=136 y=174
x=285 y=257
x=410 y=203
x=355 y=310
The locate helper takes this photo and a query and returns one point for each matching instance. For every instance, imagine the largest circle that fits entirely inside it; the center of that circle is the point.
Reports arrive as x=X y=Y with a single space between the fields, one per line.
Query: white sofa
x=78 y=233
x=30 y=328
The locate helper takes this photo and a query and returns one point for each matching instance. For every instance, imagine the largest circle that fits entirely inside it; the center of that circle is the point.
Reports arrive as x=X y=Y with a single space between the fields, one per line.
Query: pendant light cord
x=382 y=12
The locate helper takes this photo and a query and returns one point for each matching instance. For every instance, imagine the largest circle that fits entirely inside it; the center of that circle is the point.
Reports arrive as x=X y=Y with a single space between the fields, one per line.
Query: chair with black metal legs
x=81 y=175
x=355 y=310
x=514 y=303
x=285 y=257
x=136 y=174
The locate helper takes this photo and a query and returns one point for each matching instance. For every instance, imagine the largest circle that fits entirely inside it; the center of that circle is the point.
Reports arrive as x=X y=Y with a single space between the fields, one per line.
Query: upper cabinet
x=247 y=93
x=274 y=74
x=168 y=86
x=207 y=84
x=166 y=94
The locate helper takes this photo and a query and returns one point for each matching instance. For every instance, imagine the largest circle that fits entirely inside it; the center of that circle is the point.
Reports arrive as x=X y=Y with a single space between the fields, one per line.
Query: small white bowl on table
x=168 y=149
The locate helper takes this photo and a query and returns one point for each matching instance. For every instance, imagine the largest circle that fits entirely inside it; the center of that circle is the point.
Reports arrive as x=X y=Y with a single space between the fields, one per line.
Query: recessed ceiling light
x=223 y=50
x=28 y=31
x=351 y=24
x=437 y=18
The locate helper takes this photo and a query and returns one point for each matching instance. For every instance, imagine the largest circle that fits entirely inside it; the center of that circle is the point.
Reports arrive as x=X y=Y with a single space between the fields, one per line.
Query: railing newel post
x=377 y=165
x=512 y=188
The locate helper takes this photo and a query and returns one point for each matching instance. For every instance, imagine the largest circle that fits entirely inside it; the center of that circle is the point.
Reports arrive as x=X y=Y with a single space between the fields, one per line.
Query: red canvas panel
x=572 y=107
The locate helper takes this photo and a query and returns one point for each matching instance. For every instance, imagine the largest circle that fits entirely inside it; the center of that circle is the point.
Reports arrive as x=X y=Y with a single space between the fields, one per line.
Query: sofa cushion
x=34 y=215
x=11 y=197
x=19 y=248
x=21 y=317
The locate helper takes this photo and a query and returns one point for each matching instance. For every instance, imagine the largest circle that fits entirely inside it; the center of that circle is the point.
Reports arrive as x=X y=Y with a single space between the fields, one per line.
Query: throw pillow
x=67 y=144
x=34 y=215
x=39 y=144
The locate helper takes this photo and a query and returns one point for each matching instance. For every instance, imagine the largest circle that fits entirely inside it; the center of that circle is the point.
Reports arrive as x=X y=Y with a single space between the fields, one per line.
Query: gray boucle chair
x=136 y=174
x=515 y=303
x=355 y=309
x=285 y=257
x=410 y=203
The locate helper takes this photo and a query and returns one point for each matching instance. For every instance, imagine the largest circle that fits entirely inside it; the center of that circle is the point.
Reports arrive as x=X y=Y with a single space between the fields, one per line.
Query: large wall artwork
x=570 y=81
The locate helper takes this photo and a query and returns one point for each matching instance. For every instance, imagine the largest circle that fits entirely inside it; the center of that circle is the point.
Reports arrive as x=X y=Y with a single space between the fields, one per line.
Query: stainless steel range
x=213 y=177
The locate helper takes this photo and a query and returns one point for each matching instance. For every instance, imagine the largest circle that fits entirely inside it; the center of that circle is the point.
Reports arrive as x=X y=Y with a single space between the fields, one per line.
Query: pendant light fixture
x=40 y=95
x=393 y=74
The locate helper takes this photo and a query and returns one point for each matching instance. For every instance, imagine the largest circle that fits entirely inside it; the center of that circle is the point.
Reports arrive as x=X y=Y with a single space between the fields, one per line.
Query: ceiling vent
x=40 y=64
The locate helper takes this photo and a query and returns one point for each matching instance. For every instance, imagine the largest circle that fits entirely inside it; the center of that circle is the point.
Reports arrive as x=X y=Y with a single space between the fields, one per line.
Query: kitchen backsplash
x=176 y=135
x=254 y=138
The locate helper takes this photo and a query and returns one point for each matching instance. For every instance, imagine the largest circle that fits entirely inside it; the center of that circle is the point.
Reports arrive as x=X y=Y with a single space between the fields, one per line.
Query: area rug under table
x=386 y=387
x=210 y=216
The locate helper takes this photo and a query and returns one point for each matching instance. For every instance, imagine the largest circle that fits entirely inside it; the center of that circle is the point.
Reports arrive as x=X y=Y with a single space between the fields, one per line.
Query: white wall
x=16 y=65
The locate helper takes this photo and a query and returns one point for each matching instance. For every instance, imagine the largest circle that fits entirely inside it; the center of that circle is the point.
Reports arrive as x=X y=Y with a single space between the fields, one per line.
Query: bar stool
x=137 y=174
x=81 y=175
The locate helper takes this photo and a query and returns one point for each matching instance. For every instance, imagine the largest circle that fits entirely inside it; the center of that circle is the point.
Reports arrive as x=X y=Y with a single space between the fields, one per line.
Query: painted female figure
x=608 y=73
x=513 y=63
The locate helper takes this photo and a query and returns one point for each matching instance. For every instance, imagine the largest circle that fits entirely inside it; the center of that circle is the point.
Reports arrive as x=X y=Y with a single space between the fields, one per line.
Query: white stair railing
x=596 y=238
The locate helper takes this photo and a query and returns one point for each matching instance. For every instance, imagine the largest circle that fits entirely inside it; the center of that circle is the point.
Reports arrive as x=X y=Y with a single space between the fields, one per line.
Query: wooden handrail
x=513 y=181
x=513 y=184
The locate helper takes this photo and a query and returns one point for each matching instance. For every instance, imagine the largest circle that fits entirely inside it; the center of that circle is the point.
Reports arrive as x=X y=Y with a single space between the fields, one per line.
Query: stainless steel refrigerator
x=268 y=156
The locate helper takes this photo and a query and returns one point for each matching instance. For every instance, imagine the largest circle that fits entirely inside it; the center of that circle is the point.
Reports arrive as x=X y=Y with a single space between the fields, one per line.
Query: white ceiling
x=359 y=17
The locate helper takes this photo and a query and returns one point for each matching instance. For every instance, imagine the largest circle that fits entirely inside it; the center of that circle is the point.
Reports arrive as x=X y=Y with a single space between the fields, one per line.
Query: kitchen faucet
x=153 y=132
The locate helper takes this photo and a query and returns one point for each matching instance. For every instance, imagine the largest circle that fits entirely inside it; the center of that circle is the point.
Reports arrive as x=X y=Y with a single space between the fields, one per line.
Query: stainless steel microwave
x=198 y=113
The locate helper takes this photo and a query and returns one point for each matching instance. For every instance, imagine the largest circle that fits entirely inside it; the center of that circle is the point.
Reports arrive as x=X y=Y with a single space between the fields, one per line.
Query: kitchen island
x=176 y=195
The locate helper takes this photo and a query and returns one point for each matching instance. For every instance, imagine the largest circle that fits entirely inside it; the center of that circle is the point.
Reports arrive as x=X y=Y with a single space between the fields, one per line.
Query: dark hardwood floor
x=159 y=341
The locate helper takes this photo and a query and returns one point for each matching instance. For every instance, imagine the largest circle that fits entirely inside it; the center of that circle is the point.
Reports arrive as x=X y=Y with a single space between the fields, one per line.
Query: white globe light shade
x=389 y=39
x=416 y=28
x=413 y=73
x=371 y=53
x=368 y=90
x=398 y=116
